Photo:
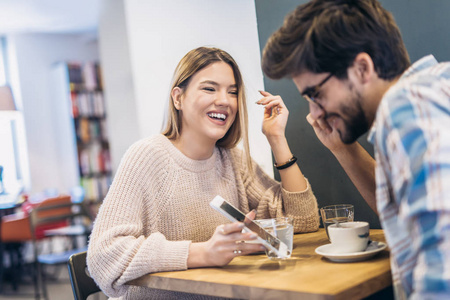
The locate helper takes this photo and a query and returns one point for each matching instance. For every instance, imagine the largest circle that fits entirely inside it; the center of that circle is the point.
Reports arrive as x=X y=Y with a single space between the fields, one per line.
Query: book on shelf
x=103 y=130
x=106 y=160
x=90 y=76
x=98 y=72
x=96 y=187
x=74 y=101
x=94 y=160
x=98 y=104
x=83 y=130
x=75 y=76
x=84 y=161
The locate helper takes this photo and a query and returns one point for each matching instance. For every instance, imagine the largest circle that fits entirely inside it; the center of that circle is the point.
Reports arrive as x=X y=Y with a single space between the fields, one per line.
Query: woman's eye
x=209 y=89
x=234 y=92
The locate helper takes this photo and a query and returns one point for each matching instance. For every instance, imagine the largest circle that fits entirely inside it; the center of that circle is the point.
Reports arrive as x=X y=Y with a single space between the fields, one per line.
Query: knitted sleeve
x=124 y=245
x=272 y=200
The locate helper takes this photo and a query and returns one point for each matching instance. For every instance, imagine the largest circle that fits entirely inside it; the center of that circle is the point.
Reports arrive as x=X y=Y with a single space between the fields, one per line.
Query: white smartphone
x=235 y=215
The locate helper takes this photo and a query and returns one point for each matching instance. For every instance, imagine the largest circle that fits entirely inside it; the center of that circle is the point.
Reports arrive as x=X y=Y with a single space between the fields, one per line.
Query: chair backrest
x=48 y=214
x=82 y=283
x=18 y=228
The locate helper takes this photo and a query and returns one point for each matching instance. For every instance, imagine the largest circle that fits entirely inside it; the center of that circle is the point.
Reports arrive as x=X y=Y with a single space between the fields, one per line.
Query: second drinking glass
x=338 y=213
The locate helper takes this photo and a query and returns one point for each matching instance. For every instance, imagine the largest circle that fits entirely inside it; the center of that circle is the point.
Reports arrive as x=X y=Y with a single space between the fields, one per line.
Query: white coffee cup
x=349 y=237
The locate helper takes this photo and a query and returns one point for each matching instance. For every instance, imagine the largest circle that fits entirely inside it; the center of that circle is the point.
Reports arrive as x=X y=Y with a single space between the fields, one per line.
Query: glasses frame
x=311 y=93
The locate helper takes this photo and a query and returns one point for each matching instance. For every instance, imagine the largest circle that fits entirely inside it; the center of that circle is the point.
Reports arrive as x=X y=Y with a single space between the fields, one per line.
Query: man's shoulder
x=428 y=84
x=428 y=75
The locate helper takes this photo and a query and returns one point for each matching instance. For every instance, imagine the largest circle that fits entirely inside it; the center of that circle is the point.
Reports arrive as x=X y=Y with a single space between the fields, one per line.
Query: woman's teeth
x=217 y=116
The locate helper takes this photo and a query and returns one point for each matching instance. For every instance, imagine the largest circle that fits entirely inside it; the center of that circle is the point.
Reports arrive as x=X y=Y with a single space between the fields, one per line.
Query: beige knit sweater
x=158 y=204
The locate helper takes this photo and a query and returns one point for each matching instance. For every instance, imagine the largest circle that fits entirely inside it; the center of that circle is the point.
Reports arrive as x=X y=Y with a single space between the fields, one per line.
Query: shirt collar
x=421 y=64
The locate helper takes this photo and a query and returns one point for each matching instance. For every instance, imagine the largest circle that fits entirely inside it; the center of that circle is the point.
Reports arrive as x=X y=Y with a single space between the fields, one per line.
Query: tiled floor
x=59 y=289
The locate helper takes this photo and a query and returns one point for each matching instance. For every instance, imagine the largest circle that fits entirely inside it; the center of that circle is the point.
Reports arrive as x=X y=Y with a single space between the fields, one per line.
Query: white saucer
x=372 y=249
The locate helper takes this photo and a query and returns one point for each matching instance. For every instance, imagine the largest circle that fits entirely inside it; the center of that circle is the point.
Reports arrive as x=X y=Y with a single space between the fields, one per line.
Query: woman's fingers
x=233 y=232
x=270 y=101
x=273 y=105
x=237 y=235
x=264 y=93
x=243 y=248
x=231 y=241
x=251 y=215
x=226 y=229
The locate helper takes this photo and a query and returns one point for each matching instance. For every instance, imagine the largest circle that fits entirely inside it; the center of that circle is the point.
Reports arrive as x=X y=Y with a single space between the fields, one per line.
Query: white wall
x=118 y=80
x=158 y=34
x=34 y=58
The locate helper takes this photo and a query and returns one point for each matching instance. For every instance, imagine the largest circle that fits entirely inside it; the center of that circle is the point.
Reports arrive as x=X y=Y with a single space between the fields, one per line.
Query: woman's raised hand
x=275 y=114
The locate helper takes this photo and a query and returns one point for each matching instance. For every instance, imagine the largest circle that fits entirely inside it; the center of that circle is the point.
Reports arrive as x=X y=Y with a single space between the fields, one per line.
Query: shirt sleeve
x=418 y=155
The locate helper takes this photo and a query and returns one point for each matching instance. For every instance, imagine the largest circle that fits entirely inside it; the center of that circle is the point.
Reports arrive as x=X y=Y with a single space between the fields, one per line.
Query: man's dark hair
x=325 y=36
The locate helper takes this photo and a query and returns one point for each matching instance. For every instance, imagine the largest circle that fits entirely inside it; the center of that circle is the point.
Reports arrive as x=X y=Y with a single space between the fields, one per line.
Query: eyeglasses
x=311 y=93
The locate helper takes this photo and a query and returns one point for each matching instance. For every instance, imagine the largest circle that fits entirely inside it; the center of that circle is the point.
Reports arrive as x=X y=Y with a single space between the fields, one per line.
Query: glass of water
x=283 y=229
x=338 y=213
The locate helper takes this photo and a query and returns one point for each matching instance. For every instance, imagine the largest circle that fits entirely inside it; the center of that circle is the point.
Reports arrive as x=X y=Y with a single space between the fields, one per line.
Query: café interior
x=80 y=81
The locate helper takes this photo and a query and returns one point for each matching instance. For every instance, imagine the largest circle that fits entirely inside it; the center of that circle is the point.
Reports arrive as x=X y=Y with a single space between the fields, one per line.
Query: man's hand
x=329 y=136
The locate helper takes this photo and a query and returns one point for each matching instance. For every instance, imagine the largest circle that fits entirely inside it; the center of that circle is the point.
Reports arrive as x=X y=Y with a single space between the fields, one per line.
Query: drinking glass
x=283 y=229
x=338 y=213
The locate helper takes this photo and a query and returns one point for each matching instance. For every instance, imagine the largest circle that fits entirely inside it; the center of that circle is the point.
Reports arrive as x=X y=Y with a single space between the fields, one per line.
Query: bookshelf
x=86 y=105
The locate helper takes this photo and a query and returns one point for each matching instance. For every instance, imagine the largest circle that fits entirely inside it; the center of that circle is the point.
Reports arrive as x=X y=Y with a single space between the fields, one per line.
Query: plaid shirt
x=411 y=136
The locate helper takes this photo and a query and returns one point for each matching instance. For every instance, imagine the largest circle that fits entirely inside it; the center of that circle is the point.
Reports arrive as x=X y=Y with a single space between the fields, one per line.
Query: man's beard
x=354 y=120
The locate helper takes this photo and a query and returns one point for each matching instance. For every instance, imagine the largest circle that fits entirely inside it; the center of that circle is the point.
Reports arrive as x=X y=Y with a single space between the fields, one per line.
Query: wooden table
x=306 y=275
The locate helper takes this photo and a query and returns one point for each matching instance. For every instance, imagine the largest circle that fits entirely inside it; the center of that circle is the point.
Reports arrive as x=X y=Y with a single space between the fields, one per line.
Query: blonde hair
x=194 y=61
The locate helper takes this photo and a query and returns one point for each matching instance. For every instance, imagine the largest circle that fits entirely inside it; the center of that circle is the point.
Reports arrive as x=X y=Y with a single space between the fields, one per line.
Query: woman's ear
x=176 y=97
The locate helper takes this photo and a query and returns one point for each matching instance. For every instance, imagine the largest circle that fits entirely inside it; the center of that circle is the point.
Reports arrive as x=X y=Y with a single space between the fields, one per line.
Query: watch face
x=238 y=215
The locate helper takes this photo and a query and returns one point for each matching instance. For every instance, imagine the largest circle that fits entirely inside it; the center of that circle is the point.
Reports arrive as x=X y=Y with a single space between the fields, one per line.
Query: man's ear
x=364 y=68
x=176 y=97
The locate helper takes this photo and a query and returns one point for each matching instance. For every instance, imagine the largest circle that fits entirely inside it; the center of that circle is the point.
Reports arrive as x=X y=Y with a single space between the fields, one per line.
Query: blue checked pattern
x=411 y=136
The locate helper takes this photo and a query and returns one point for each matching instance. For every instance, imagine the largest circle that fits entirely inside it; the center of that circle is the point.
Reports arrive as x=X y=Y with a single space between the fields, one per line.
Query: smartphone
x=235 y=215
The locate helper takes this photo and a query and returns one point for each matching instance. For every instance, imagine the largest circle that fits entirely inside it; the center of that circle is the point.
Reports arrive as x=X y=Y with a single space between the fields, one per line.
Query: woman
x=156 y=216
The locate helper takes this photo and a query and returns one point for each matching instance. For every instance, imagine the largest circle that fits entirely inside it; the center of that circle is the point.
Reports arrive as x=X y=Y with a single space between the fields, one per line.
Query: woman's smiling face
x=208 y=104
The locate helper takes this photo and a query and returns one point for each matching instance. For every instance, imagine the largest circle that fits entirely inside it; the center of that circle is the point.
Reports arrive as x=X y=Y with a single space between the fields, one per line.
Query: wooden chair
x=82 y=283
x=53 y=214
x=15 y=230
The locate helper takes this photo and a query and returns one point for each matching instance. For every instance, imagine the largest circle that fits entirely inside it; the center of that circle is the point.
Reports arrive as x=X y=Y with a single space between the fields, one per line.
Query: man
x=347 y=58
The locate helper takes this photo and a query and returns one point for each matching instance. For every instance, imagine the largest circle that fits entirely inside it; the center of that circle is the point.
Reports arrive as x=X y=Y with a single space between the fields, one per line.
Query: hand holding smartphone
x=235 y=215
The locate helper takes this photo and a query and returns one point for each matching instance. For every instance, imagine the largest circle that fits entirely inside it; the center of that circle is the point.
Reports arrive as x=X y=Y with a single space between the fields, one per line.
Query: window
x=13 y=157
x=2 y=62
